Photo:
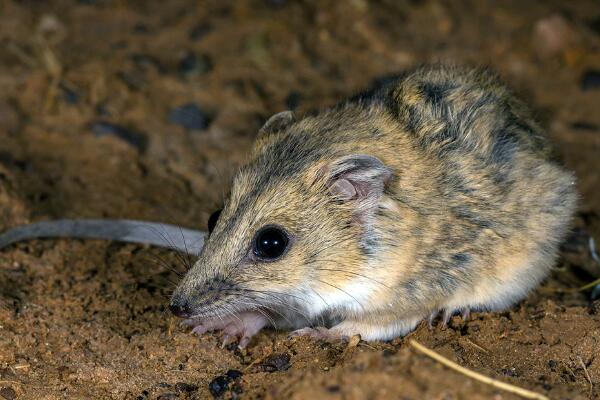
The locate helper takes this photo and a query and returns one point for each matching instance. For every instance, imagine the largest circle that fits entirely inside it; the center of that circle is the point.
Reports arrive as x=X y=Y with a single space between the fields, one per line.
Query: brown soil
x=88 y=320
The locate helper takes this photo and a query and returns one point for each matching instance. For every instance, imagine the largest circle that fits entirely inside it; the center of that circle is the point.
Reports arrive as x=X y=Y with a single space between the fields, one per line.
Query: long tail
x=122 y=230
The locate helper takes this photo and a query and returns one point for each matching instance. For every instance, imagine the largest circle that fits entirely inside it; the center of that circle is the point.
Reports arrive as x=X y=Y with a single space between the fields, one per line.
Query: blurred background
x=143 y=109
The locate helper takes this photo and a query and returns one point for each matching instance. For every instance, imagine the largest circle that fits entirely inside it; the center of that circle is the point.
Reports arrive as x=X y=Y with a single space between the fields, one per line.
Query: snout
x=180 y=308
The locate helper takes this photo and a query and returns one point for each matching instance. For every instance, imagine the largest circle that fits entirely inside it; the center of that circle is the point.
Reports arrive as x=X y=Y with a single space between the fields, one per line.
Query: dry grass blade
x=528 y=394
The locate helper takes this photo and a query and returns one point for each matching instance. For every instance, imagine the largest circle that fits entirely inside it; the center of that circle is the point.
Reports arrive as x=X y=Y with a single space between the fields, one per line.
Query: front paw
x=240 y=327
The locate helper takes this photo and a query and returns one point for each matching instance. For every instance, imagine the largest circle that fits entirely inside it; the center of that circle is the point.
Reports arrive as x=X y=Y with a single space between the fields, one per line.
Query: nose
x=180 y=308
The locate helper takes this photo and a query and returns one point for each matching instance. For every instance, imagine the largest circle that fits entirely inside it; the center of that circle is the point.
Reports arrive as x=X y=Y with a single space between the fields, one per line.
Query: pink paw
x=240 y=327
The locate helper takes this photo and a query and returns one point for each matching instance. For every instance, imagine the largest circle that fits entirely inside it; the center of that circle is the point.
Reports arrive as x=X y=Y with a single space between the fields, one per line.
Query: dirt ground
x=95 y=98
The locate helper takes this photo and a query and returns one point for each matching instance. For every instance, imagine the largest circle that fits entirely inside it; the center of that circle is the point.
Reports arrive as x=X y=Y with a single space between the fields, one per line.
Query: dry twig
x=528 y=394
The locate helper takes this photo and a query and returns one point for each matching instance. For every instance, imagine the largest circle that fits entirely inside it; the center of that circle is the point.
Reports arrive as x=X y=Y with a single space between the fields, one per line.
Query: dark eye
x=212 y=220
x=270 y=243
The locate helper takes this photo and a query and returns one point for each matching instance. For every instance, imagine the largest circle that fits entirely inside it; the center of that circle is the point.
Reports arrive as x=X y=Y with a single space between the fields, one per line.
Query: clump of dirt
x=144 y=109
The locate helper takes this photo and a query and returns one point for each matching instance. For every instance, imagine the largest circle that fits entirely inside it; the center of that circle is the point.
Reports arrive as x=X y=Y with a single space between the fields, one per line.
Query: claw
x=432 y=318
x=466 y=313
x=446 y=318
x=244 y=342
x=227 y=340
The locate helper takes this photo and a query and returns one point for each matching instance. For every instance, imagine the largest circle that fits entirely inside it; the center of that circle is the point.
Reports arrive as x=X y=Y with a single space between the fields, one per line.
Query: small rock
x=183 y=387
x=276 y=3
x=192 y=65
x=146 y=61
x=584 y=126
x=552 y=35
x=594 y=24
x=189 y=116
x=333 y=389
x=595 y=296
x=275 y=362
x=234 y=374
x=168 y=396
x=292 y=101
x=69 y=95
x=136 y=139
x=134 y=81
x=219 y=385
x=8 y=393
x=199 y=31
x=141 y=28
x=590 y=80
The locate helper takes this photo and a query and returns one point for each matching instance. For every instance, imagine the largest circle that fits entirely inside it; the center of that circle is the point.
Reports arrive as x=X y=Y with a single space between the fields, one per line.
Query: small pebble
x=189 y=116
x=145 y=61
x=594 y=24
x=183 y=387
x=134 y=81
x=590 y=80
x=234 y=374
x=192 y=65
x=168 y=396
x=333 y=388
x=595 y=296
x=136 y=139
x=219 y=385
x=584 y=126
x=199 y=31
x=69 y=95
x=8 y=393
x=292 y=101
x=275 y=362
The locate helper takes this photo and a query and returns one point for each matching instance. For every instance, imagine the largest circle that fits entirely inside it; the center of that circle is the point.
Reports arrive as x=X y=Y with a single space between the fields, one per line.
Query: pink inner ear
x=343 y=189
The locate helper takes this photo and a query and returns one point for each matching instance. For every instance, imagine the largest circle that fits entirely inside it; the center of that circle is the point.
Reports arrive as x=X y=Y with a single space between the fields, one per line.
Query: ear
x=277 y=123
x=359 y=178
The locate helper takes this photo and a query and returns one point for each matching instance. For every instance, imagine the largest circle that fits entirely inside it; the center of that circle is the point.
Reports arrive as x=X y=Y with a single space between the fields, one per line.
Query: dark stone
x=183 y=387
x=168 y=396
x=133 y=80
x=590 y=80
x=594 y=24
x=192 y=65
x=163 y=385
x=292 y=101
x=199 y=31
x=594 y=306
x=8 y=393
x=189 y=116
x=276 y=362
x=595 y=295
x=276 y=3
x=141 y=28
x=584 y=126
x=219 y=385
x=552 y=365
x=509 y=372
x=136 y=139
x=234 y=374
x=333 y=389
x=388 y=353
x=146 y=61
x=69 y=95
